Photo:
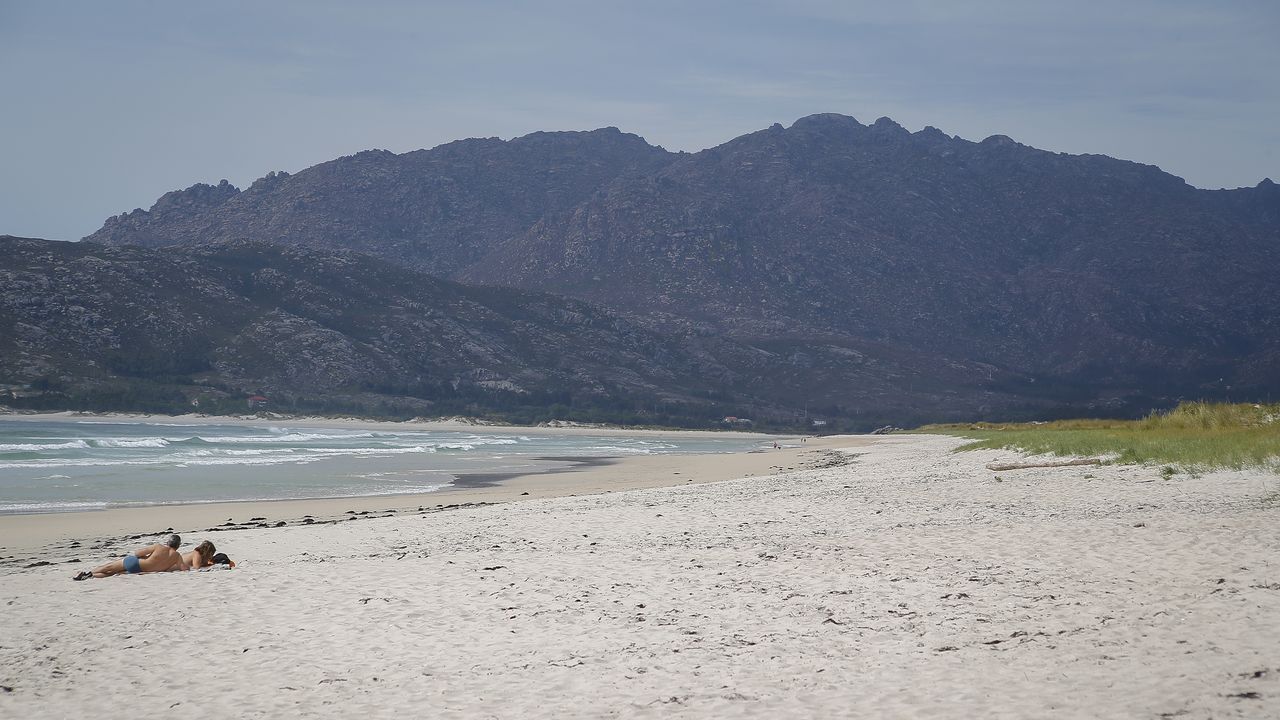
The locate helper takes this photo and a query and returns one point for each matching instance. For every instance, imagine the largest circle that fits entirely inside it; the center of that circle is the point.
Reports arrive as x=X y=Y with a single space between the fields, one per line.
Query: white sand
x=907 y=584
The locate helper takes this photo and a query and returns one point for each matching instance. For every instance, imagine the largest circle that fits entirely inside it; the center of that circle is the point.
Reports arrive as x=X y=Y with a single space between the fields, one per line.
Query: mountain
x=437 y=210
x=1080 y=271
x=312 y=330
x=128 y=328
x=867 y=259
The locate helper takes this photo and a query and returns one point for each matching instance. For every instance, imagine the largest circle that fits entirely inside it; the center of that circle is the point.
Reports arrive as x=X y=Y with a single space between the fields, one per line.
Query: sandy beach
x=890 y=578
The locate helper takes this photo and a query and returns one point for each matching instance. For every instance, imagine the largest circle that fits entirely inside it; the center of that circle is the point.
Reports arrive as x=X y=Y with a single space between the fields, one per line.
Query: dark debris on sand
x=108 y=545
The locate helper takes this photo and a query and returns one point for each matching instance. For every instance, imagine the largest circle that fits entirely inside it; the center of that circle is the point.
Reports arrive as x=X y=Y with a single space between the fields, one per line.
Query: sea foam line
x=40 y=447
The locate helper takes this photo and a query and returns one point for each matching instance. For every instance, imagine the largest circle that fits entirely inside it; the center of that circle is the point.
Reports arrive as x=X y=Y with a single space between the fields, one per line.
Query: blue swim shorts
x=131 y=564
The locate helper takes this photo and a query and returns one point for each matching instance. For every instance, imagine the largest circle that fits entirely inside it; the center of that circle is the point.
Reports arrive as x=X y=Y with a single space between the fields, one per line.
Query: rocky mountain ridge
x=437 y=210
x=1082 y=268
x=1015 y=278
x=128 y=328
x=236 y=319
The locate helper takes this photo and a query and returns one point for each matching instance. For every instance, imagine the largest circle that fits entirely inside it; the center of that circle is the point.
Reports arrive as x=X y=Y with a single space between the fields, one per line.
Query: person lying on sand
x=154 y=558
x=201 y=557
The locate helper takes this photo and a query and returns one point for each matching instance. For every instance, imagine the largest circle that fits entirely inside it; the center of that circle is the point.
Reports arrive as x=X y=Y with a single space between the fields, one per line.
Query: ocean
x=89 y=464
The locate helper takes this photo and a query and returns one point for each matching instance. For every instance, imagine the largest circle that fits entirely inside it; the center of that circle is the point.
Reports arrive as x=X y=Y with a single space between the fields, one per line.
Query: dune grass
x=1193 y=437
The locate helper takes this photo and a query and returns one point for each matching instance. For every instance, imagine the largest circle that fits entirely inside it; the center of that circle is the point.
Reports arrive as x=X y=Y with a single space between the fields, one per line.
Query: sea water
x=68 y=465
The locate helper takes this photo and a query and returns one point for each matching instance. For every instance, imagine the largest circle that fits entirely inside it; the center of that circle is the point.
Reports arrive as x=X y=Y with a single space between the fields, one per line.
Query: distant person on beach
x=154 y=558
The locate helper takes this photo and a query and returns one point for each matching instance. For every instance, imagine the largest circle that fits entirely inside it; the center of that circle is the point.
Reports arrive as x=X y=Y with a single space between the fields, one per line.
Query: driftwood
x=1060 y=463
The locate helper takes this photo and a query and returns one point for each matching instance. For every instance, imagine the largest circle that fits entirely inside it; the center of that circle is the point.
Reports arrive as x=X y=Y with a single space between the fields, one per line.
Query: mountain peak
x=200 y=196
x=931 y=134
x=275 y=178
x=611 y=135
x=1000 y=141
x=826 y=121
x=887 y=123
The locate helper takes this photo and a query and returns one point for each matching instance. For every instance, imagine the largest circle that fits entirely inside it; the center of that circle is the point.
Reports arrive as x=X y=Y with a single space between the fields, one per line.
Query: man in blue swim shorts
x=153 y=558
x=132 y=564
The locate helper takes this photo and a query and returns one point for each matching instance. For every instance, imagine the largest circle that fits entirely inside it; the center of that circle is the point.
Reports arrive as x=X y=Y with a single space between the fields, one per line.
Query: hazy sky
x=104 y=106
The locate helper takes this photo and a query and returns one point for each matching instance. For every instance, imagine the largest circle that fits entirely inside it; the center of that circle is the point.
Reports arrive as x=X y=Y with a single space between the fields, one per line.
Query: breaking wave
x=43 y=447
x=131 y=443
x=64 y=466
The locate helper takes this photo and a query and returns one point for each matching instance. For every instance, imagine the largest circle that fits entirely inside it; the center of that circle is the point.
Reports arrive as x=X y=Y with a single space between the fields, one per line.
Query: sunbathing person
x=154 y=558
x=201 y=557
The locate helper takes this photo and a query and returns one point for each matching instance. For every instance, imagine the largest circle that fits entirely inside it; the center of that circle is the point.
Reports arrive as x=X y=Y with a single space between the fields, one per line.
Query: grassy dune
x=1193 y=436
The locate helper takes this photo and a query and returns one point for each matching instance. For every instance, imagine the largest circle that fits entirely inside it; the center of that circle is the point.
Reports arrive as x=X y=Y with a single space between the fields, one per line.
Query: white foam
x=153 y=442
x=620 y=449
x=368 y=450
x=79 y=462
x=40 y=447
x=473 y=439
x=397 y=451
x=49 y=507
x=286 y=438
x=285 y=455
x=236 y=452
x=265 y=460
x=222 y=456
x=142 y=461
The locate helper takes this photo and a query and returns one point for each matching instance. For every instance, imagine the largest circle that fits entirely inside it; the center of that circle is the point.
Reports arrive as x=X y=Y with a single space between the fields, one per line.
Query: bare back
x=195 y=560
x=161 y=558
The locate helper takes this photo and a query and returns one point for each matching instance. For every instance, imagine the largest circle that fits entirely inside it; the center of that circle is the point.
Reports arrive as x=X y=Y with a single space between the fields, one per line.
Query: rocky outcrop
x=173 y=209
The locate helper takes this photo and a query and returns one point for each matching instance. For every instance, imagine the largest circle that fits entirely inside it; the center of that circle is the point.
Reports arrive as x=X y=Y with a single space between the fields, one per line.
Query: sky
x=104 y=106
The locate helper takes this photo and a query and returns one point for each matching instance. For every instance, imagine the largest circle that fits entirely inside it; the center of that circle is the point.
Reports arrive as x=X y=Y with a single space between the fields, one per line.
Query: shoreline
x=366 y=424
x=34 y=537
